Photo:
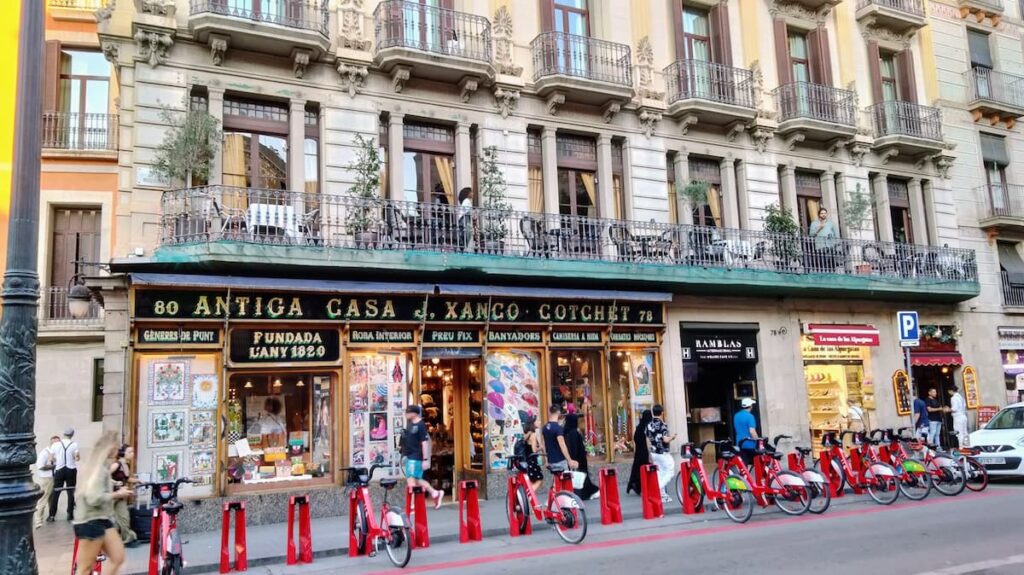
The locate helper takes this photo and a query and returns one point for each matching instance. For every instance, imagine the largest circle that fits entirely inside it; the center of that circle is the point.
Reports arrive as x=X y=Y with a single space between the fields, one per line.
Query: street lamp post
x=18 y=325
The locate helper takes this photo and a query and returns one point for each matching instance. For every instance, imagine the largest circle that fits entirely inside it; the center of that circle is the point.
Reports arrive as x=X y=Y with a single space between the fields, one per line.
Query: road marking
x=977 y=567
x=682 y=533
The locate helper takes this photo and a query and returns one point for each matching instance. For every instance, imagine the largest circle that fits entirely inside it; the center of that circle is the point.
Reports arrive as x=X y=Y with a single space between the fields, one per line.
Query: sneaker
x=596 y=495
x=438 y=497
x=50 y=519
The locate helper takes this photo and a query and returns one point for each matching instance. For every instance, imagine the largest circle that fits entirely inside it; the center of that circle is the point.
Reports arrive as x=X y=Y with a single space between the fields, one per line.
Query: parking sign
x=910 y=333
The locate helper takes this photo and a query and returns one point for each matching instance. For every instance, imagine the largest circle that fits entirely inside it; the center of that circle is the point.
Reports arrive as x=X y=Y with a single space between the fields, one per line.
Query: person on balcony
x=824 y=233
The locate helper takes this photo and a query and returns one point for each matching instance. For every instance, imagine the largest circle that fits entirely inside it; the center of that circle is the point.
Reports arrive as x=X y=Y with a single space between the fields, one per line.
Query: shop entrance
x=939 y=378
x=452 y=398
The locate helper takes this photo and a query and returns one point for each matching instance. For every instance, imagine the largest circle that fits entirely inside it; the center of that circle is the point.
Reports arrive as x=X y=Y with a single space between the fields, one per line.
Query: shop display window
x=511 y=395
x=631 y=391
x=279 y=428
x=835 y=379
x=577 y=383
x=378 y=393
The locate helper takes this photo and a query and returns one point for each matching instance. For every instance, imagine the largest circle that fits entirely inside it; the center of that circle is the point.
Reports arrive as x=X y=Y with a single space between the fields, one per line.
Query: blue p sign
x=909 y=328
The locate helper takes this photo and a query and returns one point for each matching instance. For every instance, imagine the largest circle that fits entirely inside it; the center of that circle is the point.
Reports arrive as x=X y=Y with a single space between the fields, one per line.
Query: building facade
x=659 y=238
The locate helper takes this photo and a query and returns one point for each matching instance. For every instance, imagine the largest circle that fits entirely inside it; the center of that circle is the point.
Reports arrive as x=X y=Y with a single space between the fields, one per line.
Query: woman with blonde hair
x=94 y=498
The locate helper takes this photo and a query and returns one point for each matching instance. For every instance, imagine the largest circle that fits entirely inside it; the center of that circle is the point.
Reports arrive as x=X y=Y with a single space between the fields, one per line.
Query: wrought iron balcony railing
x=431 y=29
x=1013 y=290
x=895 y=118
x=1004 y=200
x=74 y=131
x=986 y=84
x=993 y=5
x=913 y=7
x=273 y=217
x=54 y=309
x=816 y=102
x=77 y=4
x=310 y=15
x=558 y=53
x=709 y=81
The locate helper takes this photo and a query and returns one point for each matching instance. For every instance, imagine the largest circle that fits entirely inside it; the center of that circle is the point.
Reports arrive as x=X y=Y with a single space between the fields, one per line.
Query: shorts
x=413 y=468
x=93 y=530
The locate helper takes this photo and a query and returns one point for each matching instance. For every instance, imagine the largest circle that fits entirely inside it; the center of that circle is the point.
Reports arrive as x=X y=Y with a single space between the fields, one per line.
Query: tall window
x=673 y=197
x=808 y=197
x=890 y=84
x=535 y=170
x=707 y=170
x=75 y=239
x=799 y=56
x=995 y=159
x=97 y=389
x=429 y=163
x=696 y=35
x=577 y=175
x=255 y=144
x=618 y=194
x=572 y=17
x=84 y=82
x=899 y=211
x=382 y=149
x=311 y=150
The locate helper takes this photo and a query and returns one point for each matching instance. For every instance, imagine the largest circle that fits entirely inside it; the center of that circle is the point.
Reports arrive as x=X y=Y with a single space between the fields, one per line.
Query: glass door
x=697 y=51
x=422 y=25
x=799 y=61
x=572 y=18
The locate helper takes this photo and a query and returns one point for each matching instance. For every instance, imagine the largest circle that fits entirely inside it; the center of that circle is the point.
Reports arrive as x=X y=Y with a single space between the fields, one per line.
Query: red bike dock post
x=828 y=471
x=305 y=554
x=794 y=462
x=236 y=508
x=74 y=561
x=650 y=492
x=611 y=509
x=686 y=476
x=416 y=508
x=858 y=465
x=355 y=499
x=563 y=482
x=154 y=541
x=510 y=500
x=469 y=512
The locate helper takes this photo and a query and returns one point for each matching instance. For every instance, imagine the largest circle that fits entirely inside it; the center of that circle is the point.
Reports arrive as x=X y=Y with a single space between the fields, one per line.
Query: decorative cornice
x=857 y=152
x=793 y=139
x=106 y=11
x=157 y=7
x=505 y=99
x=872 y=32
x=761 y=135
x=782 y=8
x=685 y=122
x=733 y=130
x=111 y=50
x=648 y=118
x=352 y=77
x=888 y=154
x=154 y=44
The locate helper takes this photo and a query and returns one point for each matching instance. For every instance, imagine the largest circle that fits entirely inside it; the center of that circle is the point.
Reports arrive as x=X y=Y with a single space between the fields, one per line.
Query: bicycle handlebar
x=174 y=484
x=777 y=438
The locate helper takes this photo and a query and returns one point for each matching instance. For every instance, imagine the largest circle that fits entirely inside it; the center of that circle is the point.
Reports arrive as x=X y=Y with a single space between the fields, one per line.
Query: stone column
x=841 y=186
x=742 y=200
x=297 y=146
x=928 y=193
x=605 y=195
x=549 y=157
x=918 y=216
x=730 y=211
x=215 y=107
x=828 y=195
x=681 y=164
x=396 y=151
x=880 y=193
x=627 y=182
x=463 y=163
x=788 y=185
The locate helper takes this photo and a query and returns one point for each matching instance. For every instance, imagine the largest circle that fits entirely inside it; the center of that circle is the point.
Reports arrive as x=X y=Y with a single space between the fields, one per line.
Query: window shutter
x=993 y=150
x=51 y=84
x=905 y=68
x=719 y=20
x=782 y=52
x=981 y=51
x=821 y=56
x=547 y=15
x=875 y=68
x=677 y=21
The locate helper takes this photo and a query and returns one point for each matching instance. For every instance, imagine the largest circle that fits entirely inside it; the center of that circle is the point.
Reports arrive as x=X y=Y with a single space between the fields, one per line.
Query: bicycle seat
x=803 y=450
x=388 y=483
x=172 y=507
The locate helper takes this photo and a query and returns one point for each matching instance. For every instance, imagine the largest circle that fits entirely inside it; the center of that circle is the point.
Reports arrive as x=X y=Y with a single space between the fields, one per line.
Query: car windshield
x=1010 y=418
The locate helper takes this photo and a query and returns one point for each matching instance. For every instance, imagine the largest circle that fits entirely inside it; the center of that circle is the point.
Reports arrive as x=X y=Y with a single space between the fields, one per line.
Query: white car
x=1001 y=442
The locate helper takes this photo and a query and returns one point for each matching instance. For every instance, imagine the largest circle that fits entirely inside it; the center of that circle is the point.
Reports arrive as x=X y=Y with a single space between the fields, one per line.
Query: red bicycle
x=942 y=470
x=564 y=510
x=728 y=491
x=878 y=479
x=392 y=528
x=166 y=543
x=771 y=483
x=821 y=494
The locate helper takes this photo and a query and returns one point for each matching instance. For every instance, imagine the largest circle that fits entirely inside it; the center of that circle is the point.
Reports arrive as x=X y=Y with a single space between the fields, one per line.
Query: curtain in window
x=673 y=203
x=235 y=170
x=813 y=205
x=620 y=208
x=536 y=189
x=713 y=203
x=444 y=172
x=588 y=184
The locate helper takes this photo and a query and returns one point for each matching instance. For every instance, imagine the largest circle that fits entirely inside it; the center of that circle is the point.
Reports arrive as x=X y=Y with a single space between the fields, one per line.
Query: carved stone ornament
x=399 y=76
x=157 y=7
x=467 y=86
x=554 y=101
x=758 y=76
x=350 y=22
x=873 y=32
x=352 y=77
x=793 y=139
x=503 y=45
x=218 y=47
x=300 y=60
x=943 y=163
x=888 y=154
x=686 y=121
x=648 y=118
x=857 y=152
x=506 y=99
x=761 y=135
x=782 y=8
x=153 y=45
x=734 y=129
x=645 y=70
x=110 y=51
x=609 y=110
x=105 y=11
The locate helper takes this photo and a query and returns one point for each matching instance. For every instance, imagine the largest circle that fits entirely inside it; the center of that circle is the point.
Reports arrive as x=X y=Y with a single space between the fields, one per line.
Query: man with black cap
x=65 y=472
x=416 y=448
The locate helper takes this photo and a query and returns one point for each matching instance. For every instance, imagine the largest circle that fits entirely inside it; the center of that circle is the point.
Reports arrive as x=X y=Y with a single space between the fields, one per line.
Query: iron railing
x=77 y=4
x=310 y=15
x=702 y=80
x=1013 y=290
x=987 y=84
x=558 y=53
x=273 y=217
x=994 y=5
x=816 y=102
x=54 y=309
x=74 y=131
x=914 y=7
x=895 y=118
x=432 y=29
x=1004 y=200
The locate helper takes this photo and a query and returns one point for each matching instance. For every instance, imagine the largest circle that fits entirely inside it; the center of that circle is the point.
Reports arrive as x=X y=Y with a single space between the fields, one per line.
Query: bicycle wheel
x=739 y=501
x=837 y=479
x=362 y=528
x=791 y=493
x=947 y=476
x=977 y=476
x=696 y=491
x=915 y=481
x=570 y=516
x=821 y=492
x=520 y=508
x=398 y=541
x=882 y=483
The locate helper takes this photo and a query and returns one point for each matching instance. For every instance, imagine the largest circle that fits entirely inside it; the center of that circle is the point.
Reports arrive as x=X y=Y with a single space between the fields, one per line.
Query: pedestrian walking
x=555 y=447
x=854 y=417
x=44 y=479
x=65 y=472
x=529 y=445
x=578 y=452
x=416 y=451
x=94 y=527
x=744 y=426
x=121 y=475
x=641 y=454
x=921 y=418
x=958 y=409
x=659 y=438
x=935 y=411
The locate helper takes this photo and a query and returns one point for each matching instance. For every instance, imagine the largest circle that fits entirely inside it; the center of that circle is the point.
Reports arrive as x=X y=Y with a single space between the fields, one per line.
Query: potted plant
x=696 y=196
x=189 y=145
x=857 y=209
x=493 y=224
x=784 y=231
x=363 y=214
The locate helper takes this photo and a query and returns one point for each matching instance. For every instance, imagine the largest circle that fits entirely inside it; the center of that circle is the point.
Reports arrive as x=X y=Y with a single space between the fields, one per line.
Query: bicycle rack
x=236 y=508
x=355 y=498
x=563 y=482
x=416 y=510
x=469 y=512
x=154 y=541
x=827 y=471
x=650 y=492
x=794 y=462
x=98 y=567
x=611 y=509
x=513 y=525
x=305 y=551
x=884 y=455
x=689 y=503
x=858 y=466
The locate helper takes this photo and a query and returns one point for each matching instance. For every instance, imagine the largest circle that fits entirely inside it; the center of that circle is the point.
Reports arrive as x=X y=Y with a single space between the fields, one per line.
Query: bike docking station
x=305 y=551
x=416 y=511
x=686 y=472
x=513 y=525
x=470 y=528
x=236 y=508
x=611 y=509
x=154 y=541
x=650 y=492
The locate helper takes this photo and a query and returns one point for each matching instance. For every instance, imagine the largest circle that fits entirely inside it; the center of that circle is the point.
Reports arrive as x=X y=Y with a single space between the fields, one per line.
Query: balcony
x=994 y=94
x=709 y=93
x=815 y=112
x=80 y=132
x=816 y=5
x=276 y=27
x=437 y=43
x=581 y=69
x=900 y=16
x=1013 y=291
x=981 y=9
x=1004 y=207
x=230 y=227
x=54 y=312
x=909 y=129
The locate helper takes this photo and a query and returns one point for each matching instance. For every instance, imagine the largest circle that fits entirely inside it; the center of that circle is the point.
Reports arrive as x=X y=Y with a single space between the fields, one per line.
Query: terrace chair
x=397 y=231
x=540 y=242
x=629 y=249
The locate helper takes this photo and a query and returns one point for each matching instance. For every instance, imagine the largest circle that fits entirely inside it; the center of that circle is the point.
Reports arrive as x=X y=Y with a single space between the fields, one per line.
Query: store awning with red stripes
x=848 y=335
x=936 y=359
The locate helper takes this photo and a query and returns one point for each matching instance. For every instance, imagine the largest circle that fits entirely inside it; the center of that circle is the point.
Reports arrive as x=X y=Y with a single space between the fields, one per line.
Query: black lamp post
x=18 y=325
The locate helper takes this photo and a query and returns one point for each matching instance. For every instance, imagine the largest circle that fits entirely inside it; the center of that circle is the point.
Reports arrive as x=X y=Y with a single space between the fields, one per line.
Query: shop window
x=577 y=382
x=631 y=386
x=511 y=397
x=97 y=389
x=837 y=378
x=378 y=393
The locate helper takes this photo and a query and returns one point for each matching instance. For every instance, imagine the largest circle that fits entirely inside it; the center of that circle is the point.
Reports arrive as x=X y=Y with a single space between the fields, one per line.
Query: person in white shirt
x=65 y=472
x=958 y=408
x=44 y=479
x=854 y=417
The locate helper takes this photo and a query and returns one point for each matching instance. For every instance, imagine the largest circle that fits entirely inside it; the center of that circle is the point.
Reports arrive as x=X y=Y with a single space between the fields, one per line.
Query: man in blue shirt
x=744 y=426
x=921 y=421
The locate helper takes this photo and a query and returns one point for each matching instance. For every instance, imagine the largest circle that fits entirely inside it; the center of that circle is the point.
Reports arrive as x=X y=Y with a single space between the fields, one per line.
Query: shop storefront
x=936 y=364
x=255 y=385
x=1011 y=350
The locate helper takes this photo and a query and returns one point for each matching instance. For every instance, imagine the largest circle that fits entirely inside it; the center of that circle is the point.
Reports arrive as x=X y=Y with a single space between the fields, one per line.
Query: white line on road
x=976 y=567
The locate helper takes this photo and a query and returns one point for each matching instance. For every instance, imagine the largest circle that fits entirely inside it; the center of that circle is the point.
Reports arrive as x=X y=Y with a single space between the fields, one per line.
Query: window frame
x=805 y=61
x=254 y=128
x=97 y=389
x=689 y=38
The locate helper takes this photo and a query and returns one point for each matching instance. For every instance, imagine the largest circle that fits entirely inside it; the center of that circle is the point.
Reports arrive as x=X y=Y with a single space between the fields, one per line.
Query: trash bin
x=141 y=521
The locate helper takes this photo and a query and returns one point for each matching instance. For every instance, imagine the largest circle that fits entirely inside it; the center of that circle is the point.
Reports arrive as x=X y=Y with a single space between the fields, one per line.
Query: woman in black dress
x=578 y=451
x=641 y=455
x=532 y=444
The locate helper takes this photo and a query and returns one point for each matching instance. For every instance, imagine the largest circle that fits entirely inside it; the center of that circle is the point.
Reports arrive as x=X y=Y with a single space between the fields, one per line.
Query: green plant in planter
x=363 y=215
x=785 y=235
x=187 y=150
x=493 y=188
x=696 y=193
x=857 y=210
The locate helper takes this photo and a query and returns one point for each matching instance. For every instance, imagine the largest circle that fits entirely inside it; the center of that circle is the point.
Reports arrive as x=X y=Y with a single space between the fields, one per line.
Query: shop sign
x=972 y=397
x=381 y=335
x=645 y=337
x=575 y=337
x=451 y=336
x=901 y=391
x=285 y=345
x=1013 y=361
x=986 y=413
x=812 y=352
x=715 y=346
x=519 y=336
x=166 y=304
x=178 y=335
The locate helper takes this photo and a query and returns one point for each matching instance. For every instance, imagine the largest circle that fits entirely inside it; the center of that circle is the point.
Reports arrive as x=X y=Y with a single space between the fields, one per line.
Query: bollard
x=793 y=461
x=97 y=566
x=154 y=541
x=651 y=492
x=857 y=464
x=563 y=482
x=510 y=504
x=469 y=512
x=691 y=500
x=883 y=454
x=830 y=474
x=305 y=554
x=236 y=508
x=611 y=509
x=416 y=510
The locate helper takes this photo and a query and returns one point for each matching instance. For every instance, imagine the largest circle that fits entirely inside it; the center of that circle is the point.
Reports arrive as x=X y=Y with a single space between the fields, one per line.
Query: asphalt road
x=973 y=534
